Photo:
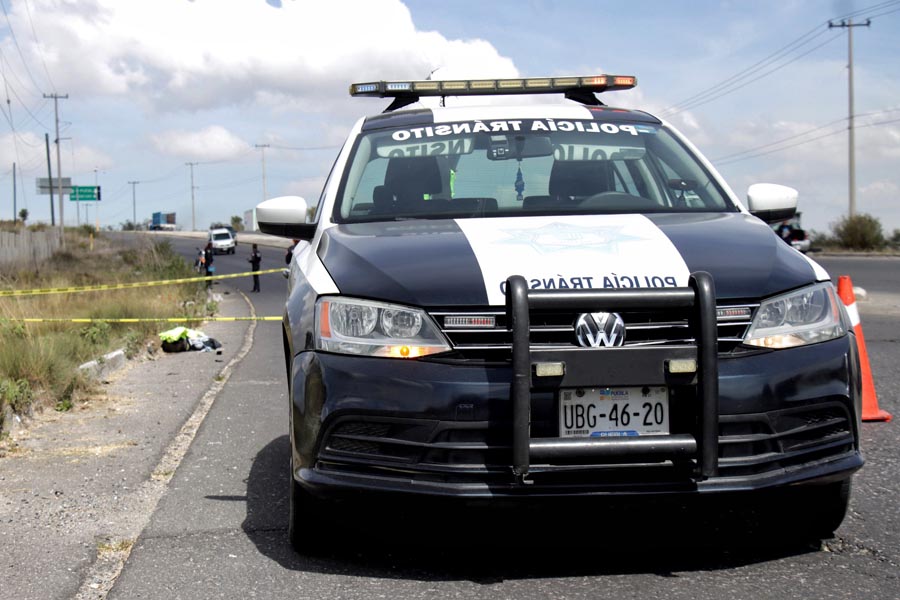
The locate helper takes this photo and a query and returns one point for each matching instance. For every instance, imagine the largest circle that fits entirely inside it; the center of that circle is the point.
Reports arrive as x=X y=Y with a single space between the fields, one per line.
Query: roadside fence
x=28 y=248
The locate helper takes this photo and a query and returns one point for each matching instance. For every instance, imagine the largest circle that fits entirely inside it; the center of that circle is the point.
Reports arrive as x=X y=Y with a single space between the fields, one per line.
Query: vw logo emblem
x=593 y=330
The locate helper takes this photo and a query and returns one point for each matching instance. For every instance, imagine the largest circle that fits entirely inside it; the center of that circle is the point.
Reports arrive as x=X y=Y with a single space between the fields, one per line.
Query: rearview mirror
x=772 y=202
x=285 y=216
x=504 y=147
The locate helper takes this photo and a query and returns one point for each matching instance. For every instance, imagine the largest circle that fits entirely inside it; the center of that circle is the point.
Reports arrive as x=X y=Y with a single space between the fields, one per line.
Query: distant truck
x=162 y=222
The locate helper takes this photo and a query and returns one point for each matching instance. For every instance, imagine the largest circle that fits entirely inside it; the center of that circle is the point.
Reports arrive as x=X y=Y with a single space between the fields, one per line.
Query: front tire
x=826 y=516
x=306 y=521
x=815 y=511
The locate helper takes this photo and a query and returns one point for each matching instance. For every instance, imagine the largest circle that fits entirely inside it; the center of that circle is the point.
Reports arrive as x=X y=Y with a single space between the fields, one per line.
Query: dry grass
x=45 y=356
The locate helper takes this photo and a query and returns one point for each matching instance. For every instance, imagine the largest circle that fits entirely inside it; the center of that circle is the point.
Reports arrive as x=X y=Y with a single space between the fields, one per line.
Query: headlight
x=351 y=326
x=806 y=316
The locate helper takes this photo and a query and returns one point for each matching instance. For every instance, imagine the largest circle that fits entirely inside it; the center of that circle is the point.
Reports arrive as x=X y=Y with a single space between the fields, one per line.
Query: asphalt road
x=219 y=529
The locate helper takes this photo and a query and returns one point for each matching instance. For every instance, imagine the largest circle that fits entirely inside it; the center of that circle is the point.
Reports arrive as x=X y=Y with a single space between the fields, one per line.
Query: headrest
x=382 y=200
x=419 y=175
x=579 y=178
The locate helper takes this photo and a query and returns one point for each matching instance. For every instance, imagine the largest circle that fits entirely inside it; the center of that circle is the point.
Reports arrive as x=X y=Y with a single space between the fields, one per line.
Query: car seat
x=409 y=179
x=574 y=180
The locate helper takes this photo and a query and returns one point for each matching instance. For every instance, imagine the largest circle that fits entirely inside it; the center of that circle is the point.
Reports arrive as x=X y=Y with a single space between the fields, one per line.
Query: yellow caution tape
x=122 y=286
x=136 y=320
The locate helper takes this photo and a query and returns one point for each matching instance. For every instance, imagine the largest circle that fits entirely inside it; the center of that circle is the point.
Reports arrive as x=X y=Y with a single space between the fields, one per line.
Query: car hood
x=465 y=262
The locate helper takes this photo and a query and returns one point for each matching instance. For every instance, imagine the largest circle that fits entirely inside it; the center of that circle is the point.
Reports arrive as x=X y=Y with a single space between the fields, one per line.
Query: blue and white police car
x=500 y=302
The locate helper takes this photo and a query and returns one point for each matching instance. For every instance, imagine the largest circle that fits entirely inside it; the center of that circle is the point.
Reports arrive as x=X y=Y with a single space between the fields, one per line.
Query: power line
x=247 y=152
x=735 y=85
x=814 y=139
x=37 y=44
x=15 y=40
x=12 y=89
x=232 y=184
x=730 y=84
x=729 y=157
x=874 y=7
x=304 y=147
x=168 y=175
x=884 y=13
x=751 y=69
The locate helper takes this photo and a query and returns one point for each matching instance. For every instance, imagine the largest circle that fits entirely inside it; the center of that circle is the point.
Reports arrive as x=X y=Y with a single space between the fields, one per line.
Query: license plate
x=614 y=412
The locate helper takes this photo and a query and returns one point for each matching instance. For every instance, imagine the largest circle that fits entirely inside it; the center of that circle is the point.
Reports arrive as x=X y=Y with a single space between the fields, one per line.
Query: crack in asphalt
x=846 y=547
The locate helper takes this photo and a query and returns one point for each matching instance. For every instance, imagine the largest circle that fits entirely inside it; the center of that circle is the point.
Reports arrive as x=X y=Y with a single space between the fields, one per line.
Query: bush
x=895 y=238
x=859 y=232
x=15 y=393
x=96 y=334
x=819 y=239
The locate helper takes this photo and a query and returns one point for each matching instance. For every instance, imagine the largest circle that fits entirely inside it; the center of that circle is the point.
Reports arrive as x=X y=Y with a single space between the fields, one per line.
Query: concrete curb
x=105 y=365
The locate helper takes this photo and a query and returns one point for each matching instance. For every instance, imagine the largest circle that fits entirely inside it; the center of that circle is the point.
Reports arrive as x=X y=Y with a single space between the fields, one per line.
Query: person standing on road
x=255 y=259
x=290 y=252
x=208 y=263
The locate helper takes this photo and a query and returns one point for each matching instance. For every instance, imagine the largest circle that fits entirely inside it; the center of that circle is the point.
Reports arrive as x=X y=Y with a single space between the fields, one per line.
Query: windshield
x=508 y=168
x=221 y=236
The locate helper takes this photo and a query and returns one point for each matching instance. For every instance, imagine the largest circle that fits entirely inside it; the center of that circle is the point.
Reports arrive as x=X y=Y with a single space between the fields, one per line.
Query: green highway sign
x=85 y=193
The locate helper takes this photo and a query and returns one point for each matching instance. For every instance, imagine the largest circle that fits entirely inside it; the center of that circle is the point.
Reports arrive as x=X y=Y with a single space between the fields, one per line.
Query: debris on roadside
x=182 y=339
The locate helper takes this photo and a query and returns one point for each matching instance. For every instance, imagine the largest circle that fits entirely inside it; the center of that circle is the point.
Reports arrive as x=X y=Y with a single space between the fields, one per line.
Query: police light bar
x=576 y=88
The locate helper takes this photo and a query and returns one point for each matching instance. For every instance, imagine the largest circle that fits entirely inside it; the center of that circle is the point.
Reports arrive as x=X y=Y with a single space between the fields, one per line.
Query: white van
x=222 y=241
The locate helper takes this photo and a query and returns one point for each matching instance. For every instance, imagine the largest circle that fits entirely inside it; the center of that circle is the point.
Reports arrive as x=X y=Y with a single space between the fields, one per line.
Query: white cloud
x=173 y=55
x=878 y=143
x=309 y=189
x=28 y=151
x=83 y=160
x=209 y=144
x=883 y=188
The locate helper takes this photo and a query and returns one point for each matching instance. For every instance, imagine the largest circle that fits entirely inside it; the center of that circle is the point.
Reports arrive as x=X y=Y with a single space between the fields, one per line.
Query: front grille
x=557 y=330
x=754 y=443
x=470 y=451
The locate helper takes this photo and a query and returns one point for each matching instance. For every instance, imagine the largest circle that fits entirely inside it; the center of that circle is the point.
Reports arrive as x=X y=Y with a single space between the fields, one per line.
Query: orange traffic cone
x=870 y=409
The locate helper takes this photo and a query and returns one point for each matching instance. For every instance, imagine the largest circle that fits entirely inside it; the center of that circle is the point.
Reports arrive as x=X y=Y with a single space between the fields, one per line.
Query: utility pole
x=851 y=159
x=96 y=204
x=56 y=98
x=263 y=147
x=77 y=205
x=193 y=209
x=133 y=185
x=15 y=214
x=50 y=179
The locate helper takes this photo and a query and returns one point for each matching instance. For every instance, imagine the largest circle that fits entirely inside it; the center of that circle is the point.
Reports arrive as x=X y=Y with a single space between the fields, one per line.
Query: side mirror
x=285 y=216
x=772 y=202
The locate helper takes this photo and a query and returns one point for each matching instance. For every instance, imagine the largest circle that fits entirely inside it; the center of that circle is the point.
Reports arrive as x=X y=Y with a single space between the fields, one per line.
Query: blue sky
x=156 y=84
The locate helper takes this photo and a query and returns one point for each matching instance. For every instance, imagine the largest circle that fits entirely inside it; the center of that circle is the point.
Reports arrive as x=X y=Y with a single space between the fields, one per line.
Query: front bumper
x=448 y=427
x=440 y=428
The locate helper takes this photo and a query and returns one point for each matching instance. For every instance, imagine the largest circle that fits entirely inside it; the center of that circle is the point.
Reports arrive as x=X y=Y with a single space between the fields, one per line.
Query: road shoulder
x=78 y=487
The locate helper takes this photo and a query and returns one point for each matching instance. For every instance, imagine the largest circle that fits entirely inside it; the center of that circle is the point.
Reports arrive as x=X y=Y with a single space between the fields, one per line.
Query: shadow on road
x=439 y=541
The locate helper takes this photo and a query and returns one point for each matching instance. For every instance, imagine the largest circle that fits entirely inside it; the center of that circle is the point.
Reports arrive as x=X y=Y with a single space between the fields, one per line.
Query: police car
x=501 y=302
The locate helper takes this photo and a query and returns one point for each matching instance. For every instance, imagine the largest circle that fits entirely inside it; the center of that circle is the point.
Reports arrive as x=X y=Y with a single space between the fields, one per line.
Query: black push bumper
x=620 y=367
